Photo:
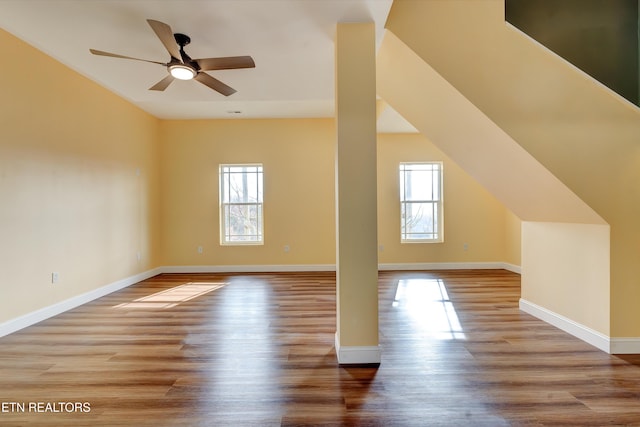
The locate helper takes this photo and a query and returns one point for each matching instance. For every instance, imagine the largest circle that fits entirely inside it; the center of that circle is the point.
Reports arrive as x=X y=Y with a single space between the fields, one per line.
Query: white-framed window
x=241 y=199
x=421 y=202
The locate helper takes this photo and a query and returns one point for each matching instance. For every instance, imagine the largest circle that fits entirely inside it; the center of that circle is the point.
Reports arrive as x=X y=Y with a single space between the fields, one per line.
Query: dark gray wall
x=598 y=36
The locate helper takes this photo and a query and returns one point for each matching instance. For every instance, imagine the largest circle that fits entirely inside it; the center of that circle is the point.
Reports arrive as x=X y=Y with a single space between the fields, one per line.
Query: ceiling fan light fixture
x=182 y=72
x=181 y=66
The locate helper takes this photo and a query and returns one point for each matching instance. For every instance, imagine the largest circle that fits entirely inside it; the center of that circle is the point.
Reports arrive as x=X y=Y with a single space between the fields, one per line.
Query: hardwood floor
x=257 y=349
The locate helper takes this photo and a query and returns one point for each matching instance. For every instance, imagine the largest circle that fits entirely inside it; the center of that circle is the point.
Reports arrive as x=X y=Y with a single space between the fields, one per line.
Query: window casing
x=421 y=213
x=241 y=204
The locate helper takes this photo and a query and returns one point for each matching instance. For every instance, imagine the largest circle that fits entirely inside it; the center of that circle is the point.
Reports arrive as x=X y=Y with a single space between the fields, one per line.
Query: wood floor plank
x=258 y=350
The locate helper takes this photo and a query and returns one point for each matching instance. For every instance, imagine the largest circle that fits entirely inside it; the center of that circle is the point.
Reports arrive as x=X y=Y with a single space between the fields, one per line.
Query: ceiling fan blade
x=225 y=63
x=165 y=34
x=214 y=84
x=162 y=84
x=115 y=55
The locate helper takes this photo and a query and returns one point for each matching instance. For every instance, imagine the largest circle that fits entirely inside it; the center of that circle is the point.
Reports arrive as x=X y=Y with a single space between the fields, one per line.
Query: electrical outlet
x=200 y=249
x=138 y=256
x=287 y=248
x=465 y=247
x=55 y=277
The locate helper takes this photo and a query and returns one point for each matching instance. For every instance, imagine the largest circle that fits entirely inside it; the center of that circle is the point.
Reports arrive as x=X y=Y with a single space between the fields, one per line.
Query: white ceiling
x=291 y=41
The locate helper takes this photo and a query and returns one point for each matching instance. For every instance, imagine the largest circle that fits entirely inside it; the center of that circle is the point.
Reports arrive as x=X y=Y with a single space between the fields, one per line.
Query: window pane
x=420 y=185
x=420 y=188
x=244 y=224
x=241 y=190
x=224 y=187
x=224 y=218
x=419 y=219
x=237 y=187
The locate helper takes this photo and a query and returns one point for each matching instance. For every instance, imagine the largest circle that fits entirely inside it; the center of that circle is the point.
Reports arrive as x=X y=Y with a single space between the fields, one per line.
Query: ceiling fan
x=182 y=67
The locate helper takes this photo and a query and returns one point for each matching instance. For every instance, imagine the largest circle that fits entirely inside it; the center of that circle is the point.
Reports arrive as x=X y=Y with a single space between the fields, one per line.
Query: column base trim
x=627 y=345
x=357 y=355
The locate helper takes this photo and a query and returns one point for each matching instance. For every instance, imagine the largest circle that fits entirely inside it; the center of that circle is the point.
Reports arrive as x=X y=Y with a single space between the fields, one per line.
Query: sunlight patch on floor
x=427 y=304
x=172 y=297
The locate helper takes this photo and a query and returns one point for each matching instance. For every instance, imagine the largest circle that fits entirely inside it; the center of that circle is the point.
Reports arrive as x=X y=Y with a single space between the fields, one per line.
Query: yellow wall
x=472 y=215
x=71 y=200
x=548 y=248
x=513 y=239
x=300 y=212
x=298 y=159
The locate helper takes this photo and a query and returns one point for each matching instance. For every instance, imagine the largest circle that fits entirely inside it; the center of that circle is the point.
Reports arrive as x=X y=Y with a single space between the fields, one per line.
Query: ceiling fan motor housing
x=182 y=39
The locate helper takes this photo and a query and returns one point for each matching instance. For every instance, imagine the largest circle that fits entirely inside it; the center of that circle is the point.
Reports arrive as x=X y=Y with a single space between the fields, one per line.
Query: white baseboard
x=34 y=317
x=357 y=355
x=625 y=346
x=576 y=329
x=512 y=268
x=449 y=266
x=247 y=268
x=332 y=267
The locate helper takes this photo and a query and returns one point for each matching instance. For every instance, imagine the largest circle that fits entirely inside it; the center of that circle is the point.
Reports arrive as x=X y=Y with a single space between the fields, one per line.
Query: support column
x=356 y=198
